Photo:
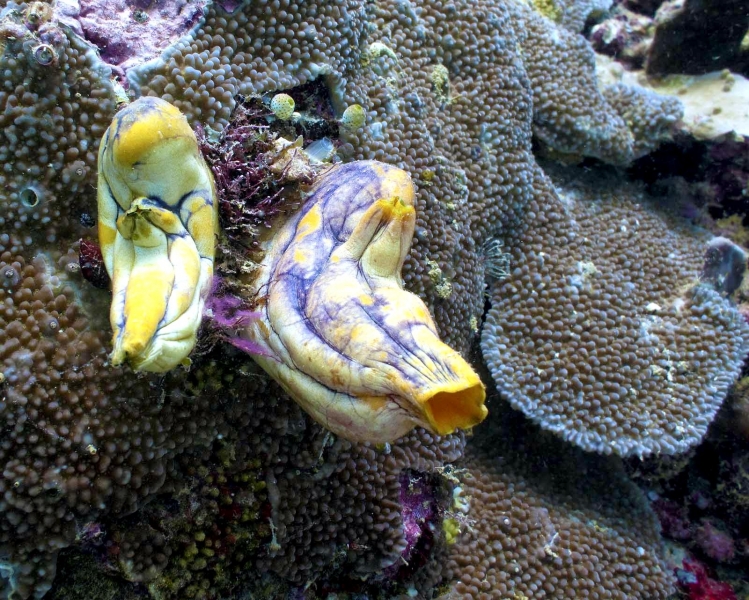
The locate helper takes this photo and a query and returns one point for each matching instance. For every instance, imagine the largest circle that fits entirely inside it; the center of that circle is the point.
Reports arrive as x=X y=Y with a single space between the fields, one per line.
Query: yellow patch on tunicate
x=366 y=299
x=299 y=256
x=309 y=224
x=421 y=313
x=373 y=402
x=166 y=220
x=182 y=253
x=398 y=185
x=396 y=208
x=149 y=286
x=134 y=138
x=385 y=252
x=282 y=105
x=363 y=332
x=203 y=228
x=107 y=234
x=142 y=233
x=354 y=117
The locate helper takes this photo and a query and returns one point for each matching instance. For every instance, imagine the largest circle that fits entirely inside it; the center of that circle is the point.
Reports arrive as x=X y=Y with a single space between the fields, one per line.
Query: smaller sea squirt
x=158 y=222
x=358 y=352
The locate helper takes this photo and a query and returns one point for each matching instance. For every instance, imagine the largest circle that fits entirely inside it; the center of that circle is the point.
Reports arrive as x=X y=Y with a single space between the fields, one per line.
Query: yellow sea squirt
x=158 y=222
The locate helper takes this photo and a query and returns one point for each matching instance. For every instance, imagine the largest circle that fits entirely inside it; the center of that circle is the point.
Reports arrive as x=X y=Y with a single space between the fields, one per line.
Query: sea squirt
x=158 y=222
x=358 y=352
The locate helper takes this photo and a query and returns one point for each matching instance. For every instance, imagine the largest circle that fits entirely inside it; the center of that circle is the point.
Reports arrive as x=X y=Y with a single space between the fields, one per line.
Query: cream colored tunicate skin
x=158 y=222
x=358 y=352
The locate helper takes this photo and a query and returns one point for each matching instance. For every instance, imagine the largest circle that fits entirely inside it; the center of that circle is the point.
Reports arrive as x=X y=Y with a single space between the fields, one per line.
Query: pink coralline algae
x=698 y=585
x=673 y=518
x=714 y=542
x=691 y=525
x=229 y=314
x=130 y=32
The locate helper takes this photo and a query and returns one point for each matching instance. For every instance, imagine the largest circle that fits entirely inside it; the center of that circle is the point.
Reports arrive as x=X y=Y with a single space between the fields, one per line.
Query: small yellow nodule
x=282 y=105
x=354 y=117
x=395 y=208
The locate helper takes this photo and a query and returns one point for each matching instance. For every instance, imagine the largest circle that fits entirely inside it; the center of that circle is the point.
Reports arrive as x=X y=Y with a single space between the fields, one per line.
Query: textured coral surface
x=212 y=483
x=603 y=332
x=545 y=522
x=450 y=91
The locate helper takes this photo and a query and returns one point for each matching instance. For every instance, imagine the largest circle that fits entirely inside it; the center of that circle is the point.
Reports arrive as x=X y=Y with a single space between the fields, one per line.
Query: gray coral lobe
x=604 y=332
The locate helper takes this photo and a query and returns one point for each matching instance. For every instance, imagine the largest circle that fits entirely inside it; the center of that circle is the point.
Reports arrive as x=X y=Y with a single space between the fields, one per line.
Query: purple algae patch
x=420 y=512
x=229 y=316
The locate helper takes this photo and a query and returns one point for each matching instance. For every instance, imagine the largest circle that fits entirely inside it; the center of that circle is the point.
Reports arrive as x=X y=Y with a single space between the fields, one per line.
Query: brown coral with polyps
x=55 y=103
x=80 y=439
x=450 y=91
x=545 y=520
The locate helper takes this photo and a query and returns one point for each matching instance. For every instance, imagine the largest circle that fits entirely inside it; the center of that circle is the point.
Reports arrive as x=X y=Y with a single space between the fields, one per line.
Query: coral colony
x=373 y=299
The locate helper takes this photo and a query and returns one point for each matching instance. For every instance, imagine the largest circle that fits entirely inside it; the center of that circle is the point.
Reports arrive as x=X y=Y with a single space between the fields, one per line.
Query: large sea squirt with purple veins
x=358 y=352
